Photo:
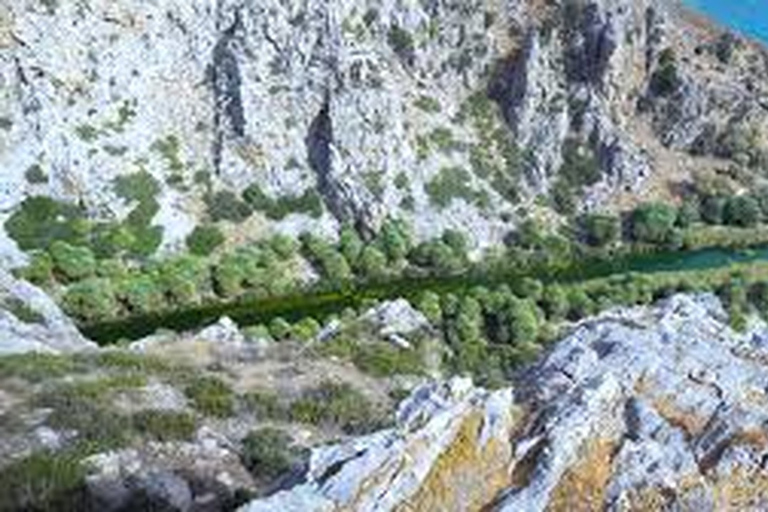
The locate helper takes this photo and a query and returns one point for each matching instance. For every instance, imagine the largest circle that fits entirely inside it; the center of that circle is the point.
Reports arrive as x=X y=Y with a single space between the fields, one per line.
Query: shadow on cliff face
x=337 y=196
x=229 y=115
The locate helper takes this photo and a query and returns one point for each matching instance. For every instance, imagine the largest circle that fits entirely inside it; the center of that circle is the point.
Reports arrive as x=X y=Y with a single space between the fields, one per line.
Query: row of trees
x=664 y=224
x=264 y=269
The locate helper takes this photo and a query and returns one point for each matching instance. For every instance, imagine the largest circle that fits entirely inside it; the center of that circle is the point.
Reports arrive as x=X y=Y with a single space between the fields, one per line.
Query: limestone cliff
x=642 y=409
x=449 y=114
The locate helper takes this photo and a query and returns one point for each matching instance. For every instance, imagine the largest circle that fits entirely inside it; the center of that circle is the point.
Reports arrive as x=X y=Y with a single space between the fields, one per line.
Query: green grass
x=43 y=482
x=384 y=360
x=452 y=183
x=427 y=104
x=211 y=397
x=335 y=404
x=268 y=454
x=164 y=426
x=35 y=368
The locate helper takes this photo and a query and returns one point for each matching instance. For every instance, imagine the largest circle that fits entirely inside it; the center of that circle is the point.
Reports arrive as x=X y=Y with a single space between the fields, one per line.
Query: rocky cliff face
x=446 y=113
x=642 y=409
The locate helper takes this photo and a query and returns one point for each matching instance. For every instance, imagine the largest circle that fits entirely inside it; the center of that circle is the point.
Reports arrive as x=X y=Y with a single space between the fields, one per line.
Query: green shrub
x=451 y=183
x=402 y=43
x=146 y=240
x=139 y=186
x=713 y=209
x=373 y=263
x=335 y=404
x=40 y=269
x=555 y=302
x=266 y=406
x=283 y=246
x=665 y=80
x=427 y=104
x=330 y=262
x=141 y=294
x=268 y=454
x=142 y=215
x=689 y=213
x=279 y=328
x=112 y=269
x=35 y=175
x=384 y=360
x=110 y=240
x=43 y=481
x=183 y=280
x=225 y=205
x=600 y=230
x=563 y=197
x=580 y=166
x=170 y=149
x=204 y=240
x=211 y=397
x=743 y=211
x=306 y=329
x=36 y=368
x=443 y=139
x=40 y=221
x=83 y=407
x=653 y=223
x=71 y=262
x=308 y=203
x=394 y=239
x=21 y=310
x=91 y=300
x=164 y=426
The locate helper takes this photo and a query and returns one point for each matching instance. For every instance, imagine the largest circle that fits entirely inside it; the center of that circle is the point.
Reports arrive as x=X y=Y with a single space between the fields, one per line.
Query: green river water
x=319 y=303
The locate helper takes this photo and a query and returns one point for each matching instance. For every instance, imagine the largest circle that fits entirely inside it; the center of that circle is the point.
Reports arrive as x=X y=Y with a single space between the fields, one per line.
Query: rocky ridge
x=637 y=409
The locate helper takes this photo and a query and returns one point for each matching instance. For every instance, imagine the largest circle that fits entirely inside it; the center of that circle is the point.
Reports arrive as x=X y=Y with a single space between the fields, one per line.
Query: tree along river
x=320 y=301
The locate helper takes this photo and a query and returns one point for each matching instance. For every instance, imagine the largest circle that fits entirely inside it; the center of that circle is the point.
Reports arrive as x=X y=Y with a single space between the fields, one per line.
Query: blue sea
x=750 y=17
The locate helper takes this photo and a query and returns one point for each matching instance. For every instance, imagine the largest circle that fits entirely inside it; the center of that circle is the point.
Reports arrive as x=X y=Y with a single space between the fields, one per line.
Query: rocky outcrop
x=637 y=409
x=30 y=321
x=170 y=476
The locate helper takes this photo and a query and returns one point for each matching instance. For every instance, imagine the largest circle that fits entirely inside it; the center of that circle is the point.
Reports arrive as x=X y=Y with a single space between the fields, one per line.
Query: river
x=320 y=303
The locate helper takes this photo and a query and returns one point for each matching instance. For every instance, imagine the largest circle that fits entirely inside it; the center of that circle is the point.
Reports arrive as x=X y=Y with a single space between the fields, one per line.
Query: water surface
x=749 y=17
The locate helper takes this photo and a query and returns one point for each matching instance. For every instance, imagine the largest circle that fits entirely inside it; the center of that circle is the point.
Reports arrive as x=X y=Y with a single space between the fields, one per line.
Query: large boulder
x=30 y=321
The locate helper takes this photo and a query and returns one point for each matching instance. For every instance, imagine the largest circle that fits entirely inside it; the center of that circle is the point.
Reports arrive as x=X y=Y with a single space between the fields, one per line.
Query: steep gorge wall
x=379 y=105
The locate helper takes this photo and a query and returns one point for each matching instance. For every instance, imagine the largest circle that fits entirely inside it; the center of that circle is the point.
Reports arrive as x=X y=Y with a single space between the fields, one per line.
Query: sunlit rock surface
x=637 y=409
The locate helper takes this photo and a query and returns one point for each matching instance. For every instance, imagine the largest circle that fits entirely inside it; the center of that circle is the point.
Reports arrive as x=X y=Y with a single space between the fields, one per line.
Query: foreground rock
x=171 y=476
x=30 y=321
x=638 y=409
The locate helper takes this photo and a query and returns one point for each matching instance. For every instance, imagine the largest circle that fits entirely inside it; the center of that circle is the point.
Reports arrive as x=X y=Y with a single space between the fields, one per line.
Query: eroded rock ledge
x=637 y=409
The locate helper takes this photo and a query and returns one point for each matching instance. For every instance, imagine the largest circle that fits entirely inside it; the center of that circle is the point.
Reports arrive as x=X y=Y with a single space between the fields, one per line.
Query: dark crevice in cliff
x=229 y=115
x=318 y=142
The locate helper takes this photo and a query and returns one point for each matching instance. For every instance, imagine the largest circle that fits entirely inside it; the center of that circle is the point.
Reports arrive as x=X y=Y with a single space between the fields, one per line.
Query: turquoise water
x=750 y=17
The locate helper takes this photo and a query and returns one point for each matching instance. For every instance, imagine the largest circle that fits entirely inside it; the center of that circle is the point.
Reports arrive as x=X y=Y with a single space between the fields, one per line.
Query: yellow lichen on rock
x=467 y=476
x=6 y=27
x=583 y=487
x=741 y=490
